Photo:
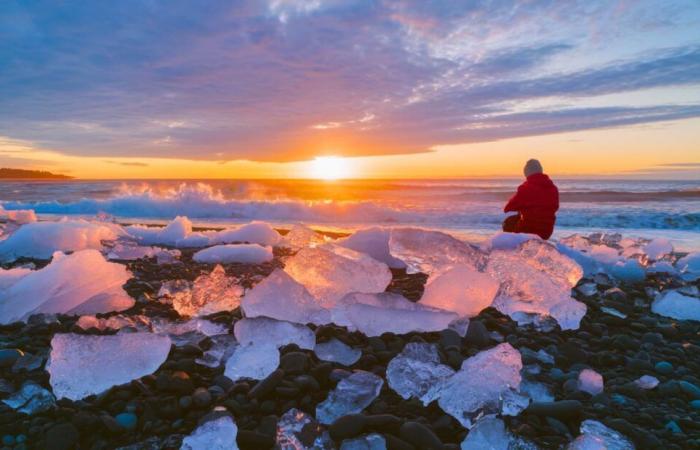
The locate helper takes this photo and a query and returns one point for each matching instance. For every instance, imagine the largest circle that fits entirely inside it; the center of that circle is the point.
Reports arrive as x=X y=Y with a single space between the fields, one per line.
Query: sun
x=330 y=168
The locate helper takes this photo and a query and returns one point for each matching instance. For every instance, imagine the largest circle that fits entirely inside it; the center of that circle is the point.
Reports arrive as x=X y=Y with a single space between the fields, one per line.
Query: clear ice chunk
x=595 y=436
x=329 y=272
x=222 y=347
x=490 y=433
x=590 y=381
x=80 y=283
x=211 y=293
x=460 y=289
x=337 y=351
x=82 y=365
x=538 y=392
x=178 y=228
x=234 y=253
x=190 y=332
x=677 y=306
x=513 y=403
x=300 y=236
x=255 y=361
x=414 y=371
x=350 y=396
x=280 y=297
x=431 y=251
x=31 y=399
x=478 y=387
x=297 y=430
x=260 y=233
x=658 y=248
x=375 y=243
x=215 y=434
x=375 y=314
x=372 y=441
x=261 y=330
x=689 y=266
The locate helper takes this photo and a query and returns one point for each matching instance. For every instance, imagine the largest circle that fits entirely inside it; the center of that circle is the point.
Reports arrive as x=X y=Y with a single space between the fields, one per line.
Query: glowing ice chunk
x=461 y=289
x=414 y=371
x=239 y=253
x=429 y=251
x=375 y=243
x=350 y=396
x=178 y=229
x=253 y=233
x=297 y=430
x=210 y=293
x=490 y=433
x=647 y=382
x=300 y=236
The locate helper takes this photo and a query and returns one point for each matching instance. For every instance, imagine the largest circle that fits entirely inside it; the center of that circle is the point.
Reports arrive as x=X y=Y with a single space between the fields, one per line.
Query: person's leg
x=510 y=223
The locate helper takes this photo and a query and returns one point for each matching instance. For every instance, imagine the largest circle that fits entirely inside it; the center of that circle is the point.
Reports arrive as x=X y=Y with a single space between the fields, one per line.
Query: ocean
x=471 y=208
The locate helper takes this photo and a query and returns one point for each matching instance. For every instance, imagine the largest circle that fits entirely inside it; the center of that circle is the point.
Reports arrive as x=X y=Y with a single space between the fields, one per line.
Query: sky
x=258 y=89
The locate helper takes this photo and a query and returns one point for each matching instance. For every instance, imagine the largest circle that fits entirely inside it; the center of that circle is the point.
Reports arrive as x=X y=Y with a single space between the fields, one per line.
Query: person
x=536 y=203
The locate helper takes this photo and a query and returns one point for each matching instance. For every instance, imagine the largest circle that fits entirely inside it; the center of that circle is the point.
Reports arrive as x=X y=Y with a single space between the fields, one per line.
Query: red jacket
x=537 y=201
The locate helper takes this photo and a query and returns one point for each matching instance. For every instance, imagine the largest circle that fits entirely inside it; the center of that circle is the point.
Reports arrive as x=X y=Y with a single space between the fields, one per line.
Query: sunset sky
x=257 y=89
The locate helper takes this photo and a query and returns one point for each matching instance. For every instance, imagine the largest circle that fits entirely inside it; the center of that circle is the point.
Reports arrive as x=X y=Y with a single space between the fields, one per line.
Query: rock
x=61 y=437
x=347 y=426
x=420 y=436
x=295 y=362
x=127 y=420
x=477 y=334
x=267 y=385
x=690 y=389
x=368 y=442
x=178 y=382
x=664 y=367
x=590 y=381
x=201 y=398
x=27 y=363
x=8 y=356
x=564 y=409
x=394 y=443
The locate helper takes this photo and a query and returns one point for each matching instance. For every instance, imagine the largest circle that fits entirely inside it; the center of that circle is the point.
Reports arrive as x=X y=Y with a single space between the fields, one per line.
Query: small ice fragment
x=689 y=266
x=234 y=253
x=588 y=289
x=221 y=349
x=131 y=252
x=82 y=365
x=658 y=248
x=662 y=267
x=164 y=256
x=677 y=306
x=590 y=381
x=415 y=370
x=630 y=271
x=375 y=243
x=210 y=294
x=31 y=399
x=537 y=392
x=605 y=255
x=372 y=441
x=255 y=361
x=253 y=233
x=280 y=297
x=190 y=332
x=301 y=236
x=513 y=403
x=613 y=312
x=263 y=330
x=351 y=396
x=177 y=229
x=545 y=357
x=297 y=430
x=647 y=382
x=141 y=323
x=337 y=351
x=330 y=272
x=214 y=434
x=477 y=388
x=460 y=289
x=489 y=433
x=594 y=436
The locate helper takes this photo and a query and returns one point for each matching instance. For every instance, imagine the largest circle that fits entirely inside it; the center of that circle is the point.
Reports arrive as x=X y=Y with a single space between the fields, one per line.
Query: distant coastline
x=6 y=173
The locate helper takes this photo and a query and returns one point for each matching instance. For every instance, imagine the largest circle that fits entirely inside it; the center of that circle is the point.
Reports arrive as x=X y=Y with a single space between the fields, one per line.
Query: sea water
x=471 y=208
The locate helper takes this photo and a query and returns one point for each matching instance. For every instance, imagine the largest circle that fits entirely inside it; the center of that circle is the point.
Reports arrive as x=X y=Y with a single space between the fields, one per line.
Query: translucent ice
x=222 y=347
x=82 y=365
x=461 y=289
x=255 y=361
x=214 y=434
x=375 y=243
x=127 y=252
x=141 y=323
x=336 y=351
x=280 y=297
x=415 y=370
x=263 y=330
x=677 y=306
x=690 y=266
x=647 y=382
x=350 y=396
x=80 y=283
x=253 y=233
x=490 y=433
x=300 y=236
x=507 y=241
x=178 y=229
x=537 y=392
x=329 y=272
x=478 y=387
x=658 y=248
x=372 y=441
x=590 y=381
x=42 y=239
x=297 y=430
x=375 y=314
x=210 y=294
x=536 y=282
x=20 y=216
x=594 y=436
x=12 y=276
x=429 y=251
x=238 y=253
x=31 y=399
x=190 y=332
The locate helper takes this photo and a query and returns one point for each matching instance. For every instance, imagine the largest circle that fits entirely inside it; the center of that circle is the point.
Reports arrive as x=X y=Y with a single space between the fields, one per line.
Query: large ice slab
x=594 y=436
x=387 y=312
x=80 y=283
x=234 y=253
x=42 y=239
x=82 y=365
x=280 y=297
x=178 y=229
x=297 y=430
x=414 y=371
x=337 y=351
x=215 y=434
x=490 y=433
x=211 y=293
x=536 y=282
x=330 y=272
x=375 y=243
x=478 y=387
x=253 y=233
x=261 y=330
x=255 y=361
x=677 y=306
x=430 y=251
x=350 y=396
x=461 y=289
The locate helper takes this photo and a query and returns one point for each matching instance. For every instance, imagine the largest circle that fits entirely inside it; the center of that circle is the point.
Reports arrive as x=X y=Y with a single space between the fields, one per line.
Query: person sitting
x=536 y=203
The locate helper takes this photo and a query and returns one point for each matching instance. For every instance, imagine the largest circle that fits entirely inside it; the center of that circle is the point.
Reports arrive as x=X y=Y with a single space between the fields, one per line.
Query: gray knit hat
x=532 y=167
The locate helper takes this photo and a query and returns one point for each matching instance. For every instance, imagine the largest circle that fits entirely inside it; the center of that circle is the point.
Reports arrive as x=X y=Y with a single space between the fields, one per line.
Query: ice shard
x=350 y=396
x=337 y=351
x=253 y=233
x=214 y=434
x=255 y=361
x=31 y=399
x=211 y=293
x=594 y=436
x=179 y=228
x=590 y=381
x=414 y=371
x=260 y=330
x=300 y=236
x=372 y=441
x=490 y=433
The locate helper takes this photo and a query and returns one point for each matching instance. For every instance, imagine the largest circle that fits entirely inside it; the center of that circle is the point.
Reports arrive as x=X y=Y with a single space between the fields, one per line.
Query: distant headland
x=6 y=173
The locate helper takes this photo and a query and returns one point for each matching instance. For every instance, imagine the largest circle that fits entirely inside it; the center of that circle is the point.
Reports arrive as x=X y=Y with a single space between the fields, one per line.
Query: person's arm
x=515 y=202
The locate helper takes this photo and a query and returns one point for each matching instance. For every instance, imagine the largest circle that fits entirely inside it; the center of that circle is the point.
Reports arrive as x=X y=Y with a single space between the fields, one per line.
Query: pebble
x=295 y=362
x=695 y=404
x=201 y=398
x=477 y=334
x=127 y=420
x=419 y=436
x=8 y=356
x=347 y=426
x=563 y=409
x=690 y=389
x=61 y=437
x=664 y=367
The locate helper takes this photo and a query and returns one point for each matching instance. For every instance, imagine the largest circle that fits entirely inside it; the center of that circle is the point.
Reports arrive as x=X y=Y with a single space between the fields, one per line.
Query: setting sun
x=330 y=168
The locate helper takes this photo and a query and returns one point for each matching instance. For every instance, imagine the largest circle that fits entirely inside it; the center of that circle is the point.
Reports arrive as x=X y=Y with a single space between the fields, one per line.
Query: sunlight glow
x=330 y=168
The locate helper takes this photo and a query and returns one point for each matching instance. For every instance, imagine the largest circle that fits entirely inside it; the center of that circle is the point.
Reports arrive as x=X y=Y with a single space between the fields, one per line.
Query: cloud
x=287 y=79
x=127 y=163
